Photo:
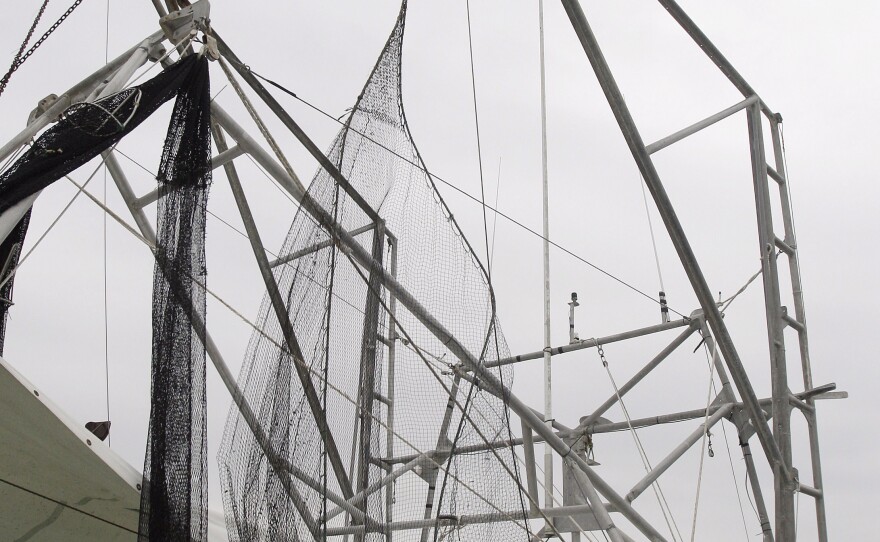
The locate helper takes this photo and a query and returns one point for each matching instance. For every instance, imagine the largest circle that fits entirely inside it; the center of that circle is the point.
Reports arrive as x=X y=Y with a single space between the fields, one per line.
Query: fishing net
x=394 y=397
x=174 y=498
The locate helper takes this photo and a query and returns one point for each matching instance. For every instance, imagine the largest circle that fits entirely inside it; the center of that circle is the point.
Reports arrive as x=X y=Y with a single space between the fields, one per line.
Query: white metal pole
x=548 y=400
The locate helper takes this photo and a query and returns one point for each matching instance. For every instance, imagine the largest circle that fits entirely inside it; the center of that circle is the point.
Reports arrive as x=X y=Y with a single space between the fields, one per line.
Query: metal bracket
x=178 y=24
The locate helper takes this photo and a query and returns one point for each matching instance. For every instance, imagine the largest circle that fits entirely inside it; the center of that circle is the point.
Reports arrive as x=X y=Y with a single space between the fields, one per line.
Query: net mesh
x=174 y=498
x=390 y=389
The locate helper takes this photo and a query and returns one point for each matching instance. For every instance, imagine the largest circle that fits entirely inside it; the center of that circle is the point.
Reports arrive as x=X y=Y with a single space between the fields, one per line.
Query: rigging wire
x=462 y=192
x=664 y=305
x=479 y=145
x=748 y=494
x=13 y=157
x=104 y=232
x=495 y=216
x=646 y=463
x=259 y=121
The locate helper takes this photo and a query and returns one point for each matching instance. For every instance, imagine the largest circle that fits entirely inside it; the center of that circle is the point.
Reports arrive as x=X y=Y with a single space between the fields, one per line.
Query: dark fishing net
x=174 y=499
x=382 y=400
x=10 y=253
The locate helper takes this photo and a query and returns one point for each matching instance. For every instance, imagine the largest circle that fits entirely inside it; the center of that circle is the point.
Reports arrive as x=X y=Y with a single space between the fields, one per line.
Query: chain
x=602 y=355
x=17 y=60
x=20 y=58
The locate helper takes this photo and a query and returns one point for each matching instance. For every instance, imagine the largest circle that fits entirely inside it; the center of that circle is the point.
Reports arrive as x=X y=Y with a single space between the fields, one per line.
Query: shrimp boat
x=376 y=396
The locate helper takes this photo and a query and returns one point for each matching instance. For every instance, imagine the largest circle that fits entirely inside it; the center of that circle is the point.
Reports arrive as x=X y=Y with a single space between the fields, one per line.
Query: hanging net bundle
x=174 y=496
x=392 y=396
x=83 y=132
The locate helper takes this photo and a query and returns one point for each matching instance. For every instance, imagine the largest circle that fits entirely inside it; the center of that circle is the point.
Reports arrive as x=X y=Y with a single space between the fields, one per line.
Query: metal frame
x=749 y=415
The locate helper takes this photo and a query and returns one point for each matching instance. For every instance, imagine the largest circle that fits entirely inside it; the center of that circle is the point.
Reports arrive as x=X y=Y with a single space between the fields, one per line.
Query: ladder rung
x=811 y=491
x=784 y=247
x=792 y=321
x=775 y=175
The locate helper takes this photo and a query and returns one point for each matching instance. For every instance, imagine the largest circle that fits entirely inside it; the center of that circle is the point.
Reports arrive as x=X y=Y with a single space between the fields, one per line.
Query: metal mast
x=548 y=370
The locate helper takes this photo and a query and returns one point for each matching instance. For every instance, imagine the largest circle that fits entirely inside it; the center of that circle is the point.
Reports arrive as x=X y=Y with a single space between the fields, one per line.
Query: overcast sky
x=814 y=63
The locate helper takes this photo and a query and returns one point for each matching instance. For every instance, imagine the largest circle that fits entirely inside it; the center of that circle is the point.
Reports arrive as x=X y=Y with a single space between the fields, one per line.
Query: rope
x=21 y=58
x=463 y=193
x=646 y=463
x=705 y=437
x=726 y=303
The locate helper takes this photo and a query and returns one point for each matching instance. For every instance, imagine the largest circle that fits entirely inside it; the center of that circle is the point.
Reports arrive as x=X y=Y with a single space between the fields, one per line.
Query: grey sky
x=812 y=62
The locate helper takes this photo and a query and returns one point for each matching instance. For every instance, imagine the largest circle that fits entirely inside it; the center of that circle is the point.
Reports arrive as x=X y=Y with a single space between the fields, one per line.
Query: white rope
x=703 y=445
x=726 y=303
x=646 y=463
